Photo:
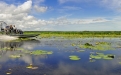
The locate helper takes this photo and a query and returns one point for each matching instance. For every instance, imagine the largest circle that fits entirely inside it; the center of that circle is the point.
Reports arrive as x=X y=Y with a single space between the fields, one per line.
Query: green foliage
x=41 y=52
x=75 y=34
x=74 y=57
x=98 y=46
x=102 y=56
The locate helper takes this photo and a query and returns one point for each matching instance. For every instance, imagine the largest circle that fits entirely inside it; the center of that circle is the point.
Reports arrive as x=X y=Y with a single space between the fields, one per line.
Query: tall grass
x=77 y=34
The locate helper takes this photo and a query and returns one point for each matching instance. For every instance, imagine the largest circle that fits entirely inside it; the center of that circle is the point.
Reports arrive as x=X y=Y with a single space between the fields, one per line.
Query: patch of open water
x=58 y=63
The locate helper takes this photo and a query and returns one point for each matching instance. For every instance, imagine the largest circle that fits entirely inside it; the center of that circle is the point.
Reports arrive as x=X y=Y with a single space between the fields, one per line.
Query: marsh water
x=58 y=63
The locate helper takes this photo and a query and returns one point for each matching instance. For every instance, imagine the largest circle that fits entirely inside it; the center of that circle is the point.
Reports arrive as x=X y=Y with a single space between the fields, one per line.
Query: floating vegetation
x=88 y=44
x=6 y=48
x=40 y=52
x=15 y=56
x=119 y=62
x=102 y=56
x=20 y=49
x=98 y=46
x=8 y=73
x=31 y=67
x=107 y=43
x=81 y=50
x=26 y=51
x=74 y=57
x=9 y=48
x=92 y=60
x=73 y=44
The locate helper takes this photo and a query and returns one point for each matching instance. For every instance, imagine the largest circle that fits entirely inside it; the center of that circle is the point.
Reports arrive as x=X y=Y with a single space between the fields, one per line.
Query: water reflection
x=58 y=63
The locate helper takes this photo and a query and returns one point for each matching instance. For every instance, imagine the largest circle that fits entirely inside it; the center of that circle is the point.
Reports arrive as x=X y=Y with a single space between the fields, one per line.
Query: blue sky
x=62 y=15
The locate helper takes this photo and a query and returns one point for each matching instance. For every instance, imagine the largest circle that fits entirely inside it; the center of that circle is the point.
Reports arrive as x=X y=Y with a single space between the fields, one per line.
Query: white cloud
x=66 y=21
x=89 y=21
x=64 y=1
x=113 y=4
x=37 y=2
x=40 y=8
x=71 y=8
x=19 y=15
x=24 y=8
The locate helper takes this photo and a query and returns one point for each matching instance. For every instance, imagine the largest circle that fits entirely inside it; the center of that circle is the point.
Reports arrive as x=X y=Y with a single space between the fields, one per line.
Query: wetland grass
x=75 y=34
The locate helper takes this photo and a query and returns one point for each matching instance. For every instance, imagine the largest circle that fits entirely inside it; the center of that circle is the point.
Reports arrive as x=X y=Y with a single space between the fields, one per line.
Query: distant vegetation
x=76 y=33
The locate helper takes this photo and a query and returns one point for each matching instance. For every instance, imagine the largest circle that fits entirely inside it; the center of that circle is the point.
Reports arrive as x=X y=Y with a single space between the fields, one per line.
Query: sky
x=62 y=15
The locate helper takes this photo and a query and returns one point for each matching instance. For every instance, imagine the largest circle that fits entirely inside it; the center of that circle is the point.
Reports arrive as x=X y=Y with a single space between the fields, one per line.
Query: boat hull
x=24 y=35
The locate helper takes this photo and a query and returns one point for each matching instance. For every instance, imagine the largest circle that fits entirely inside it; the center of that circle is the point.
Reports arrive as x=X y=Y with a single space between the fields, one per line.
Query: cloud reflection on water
x=51 y=65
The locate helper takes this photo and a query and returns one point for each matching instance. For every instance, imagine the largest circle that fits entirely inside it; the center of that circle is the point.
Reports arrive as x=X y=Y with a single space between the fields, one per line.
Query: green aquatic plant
x=95 y=57
x=119 y=62
x=19 y=48
x=74 y=57
x=10 y=48
x=106 y=43
x=40 y=52
x=31 y=67
x=88 y=44
x=73 y=44
x=9 y=73
x=99 y=46
x=102 y=56
x=15 y=56
x=92 y=60
x=81 y=50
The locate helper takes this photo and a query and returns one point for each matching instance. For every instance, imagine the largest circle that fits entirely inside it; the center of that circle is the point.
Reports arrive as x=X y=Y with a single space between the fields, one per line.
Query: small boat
x=6 y=30
x=24 y=35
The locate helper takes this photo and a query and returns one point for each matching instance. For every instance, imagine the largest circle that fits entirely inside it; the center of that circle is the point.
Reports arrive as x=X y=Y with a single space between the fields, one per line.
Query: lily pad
x=103 y=46
x=102 y=56
x=107 y=57
x=75 y=58
x=41 y=52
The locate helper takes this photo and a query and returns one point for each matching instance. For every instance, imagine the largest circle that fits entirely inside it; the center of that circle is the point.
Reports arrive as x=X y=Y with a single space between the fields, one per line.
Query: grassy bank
x=75 y=34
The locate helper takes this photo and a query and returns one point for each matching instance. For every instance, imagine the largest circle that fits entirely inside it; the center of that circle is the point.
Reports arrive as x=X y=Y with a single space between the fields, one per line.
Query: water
x=58 y=63
x=7 y=38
